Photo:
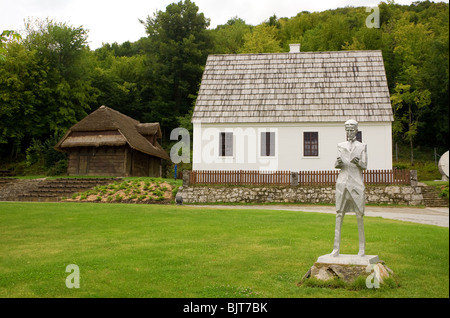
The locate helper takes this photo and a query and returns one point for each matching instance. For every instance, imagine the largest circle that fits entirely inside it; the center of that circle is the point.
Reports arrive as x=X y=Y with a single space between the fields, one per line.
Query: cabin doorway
x=83 y=164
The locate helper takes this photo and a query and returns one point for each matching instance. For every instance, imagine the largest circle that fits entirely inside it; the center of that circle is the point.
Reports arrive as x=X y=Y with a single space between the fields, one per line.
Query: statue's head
x=351 y=128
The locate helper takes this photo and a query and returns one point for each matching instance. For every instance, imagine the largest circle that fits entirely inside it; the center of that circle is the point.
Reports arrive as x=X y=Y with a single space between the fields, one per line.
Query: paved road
x=433 y=216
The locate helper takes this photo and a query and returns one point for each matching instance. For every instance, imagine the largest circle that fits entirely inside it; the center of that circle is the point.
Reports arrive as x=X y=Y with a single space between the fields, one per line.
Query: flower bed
x=127 y=192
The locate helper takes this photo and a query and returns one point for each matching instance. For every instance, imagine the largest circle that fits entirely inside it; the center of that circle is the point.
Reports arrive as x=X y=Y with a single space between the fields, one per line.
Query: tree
x=263 y=39
x=329 y=34
x=44 y=84
x=229 y=38
x=293 y=30
x=177 y=47
x=63 y=53
x=119 y=81
x=435 y=73
x=408 y=106
x=21 y=80
x=6 y=36
x=411 y=99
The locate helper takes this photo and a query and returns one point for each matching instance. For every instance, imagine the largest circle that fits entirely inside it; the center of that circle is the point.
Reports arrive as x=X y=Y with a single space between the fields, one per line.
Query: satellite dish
x=443 y=166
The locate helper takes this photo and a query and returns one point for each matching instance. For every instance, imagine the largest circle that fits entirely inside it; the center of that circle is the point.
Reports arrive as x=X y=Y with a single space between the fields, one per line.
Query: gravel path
x=428 y=215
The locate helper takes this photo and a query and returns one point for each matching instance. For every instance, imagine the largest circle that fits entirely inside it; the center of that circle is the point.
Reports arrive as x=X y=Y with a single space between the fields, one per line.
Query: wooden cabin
x=109 y=143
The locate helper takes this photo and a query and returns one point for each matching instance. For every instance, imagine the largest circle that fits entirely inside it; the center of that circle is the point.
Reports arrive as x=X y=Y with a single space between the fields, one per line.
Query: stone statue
x=350 y=190
x=350 y=197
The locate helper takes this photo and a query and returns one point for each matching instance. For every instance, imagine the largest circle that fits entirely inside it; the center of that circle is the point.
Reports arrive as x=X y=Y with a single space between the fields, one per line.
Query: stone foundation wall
x=406 y=195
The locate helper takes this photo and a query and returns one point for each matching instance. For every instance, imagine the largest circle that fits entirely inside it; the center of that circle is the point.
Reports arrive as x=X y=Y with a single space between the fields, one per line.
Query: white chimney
x=294 y=48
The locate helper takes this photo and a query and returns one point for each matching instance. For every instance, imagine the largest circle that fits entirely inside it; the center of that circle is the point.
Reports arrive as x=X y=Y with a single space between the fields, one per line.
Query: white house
x=286 y=111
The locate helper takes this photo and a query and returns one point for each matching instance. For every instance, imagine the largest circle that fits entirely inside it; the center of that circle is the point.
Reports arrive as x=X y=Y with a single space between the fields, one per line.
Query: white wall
x=288 y=147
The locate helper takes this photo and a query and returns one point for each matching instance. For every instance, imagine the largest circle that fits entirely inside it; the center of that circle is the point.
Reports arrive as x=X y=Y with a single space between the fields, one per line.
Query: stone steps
x=6 y=180
x=49 y=190
x=6 y=173
x=432 y=198
x=55 y=189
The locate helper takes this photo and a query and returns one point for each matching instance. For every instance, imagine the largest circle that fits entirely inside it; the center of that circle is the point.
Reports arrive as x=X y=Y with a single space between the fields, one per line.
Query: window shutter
x=222 y=144
x=272 y=144
x=263 y=144
x=228 y=144
x=225 y=144
x=267 y=144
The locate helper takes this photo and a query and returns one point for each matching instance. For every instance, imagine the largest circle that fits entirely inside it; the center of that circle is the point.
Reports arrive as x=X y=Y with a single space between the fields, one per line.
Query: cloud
x=256 y=12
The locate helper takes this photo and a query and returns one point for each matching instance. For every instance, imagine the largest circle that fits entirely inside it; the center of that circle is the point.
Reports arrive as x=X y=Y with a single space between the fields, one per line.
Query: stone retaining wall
x=406 y=195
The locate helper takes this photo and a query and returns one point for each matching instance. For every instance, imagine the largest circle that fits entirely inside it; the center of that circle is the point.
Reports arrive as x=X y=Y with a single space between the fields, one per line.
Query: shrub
x=175 y=191
x=59 y=168
x=400 y=165
x=444 y=193
x=426 y=170
x=46 y=157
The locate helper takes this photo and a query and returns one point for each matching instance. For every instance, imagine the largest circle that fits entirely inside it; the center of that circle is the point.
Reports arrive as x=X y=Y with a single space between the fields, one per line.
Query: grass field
x=141 y=250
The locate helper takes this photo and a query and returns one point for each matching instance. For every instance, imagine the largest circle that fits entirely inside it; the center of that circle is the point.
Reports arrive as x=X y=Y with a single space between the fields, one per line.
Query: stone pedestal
x=349 y=267
x=348 y=259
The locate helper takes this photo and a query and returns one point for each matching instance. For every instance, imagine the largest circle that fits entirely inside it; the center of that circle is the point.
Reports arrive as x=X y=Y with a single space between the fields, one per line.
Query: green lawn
x=140 y=250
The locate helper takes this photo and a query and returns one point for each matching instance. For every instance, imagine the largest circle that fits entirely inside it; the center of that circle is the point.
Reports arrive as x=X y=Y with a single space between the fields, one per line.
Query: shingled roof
x=294 y=87
x=108 y=127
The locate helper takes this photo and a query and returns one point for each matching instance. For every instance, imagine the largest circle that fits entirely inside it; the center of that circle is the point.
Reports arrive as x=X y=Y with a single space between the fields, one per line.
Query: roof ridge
x=114 y=112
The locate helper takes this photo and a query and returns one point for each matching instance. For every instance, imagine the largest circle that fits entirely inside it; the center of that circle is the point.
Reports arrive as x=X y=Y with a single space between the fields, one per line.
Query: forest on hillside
x=50 y=78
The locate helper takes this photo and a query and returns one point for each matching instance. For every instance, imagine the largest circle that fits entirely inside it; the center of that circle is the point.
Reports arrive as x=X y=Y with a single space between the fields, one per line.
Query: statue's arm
x=339 y=163
x=363 y=161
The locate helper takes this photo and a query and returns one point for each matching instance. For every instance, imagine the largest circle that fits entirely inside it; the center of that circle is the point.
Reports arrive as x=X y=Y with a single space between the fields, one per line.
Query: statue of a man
x=350 y=190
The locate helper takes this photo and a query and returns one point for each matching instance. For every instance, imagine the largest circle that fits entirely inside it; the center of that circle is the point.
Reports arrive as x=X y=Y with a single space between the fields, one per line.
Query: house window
x=311 y=144
x=359 y=136
x=267 y=144
x=226 y=144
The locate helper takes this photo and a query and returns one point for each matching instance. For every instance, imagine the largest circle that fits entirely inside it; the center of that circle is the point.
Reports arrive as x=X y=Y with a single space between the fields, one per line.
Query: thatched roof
x=108 y=127
x=294 y=87
x=149 y=129
x=93 y=141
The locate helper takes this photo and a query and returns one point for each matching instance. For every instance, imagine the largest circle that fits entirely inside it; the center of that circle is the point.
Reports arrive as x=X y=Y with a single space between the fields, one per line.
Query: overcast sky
x=111 y=21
